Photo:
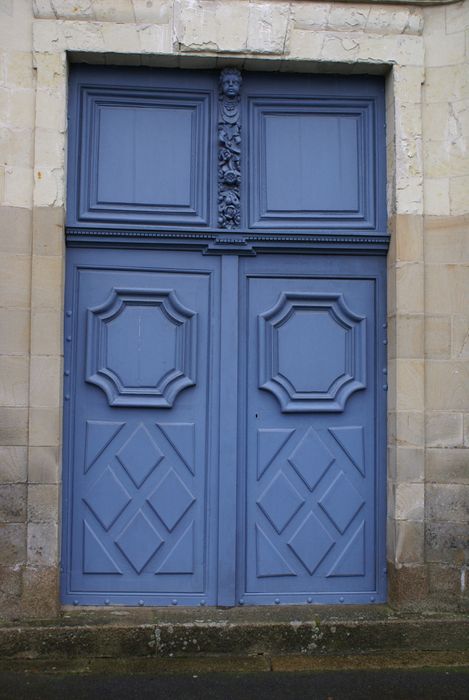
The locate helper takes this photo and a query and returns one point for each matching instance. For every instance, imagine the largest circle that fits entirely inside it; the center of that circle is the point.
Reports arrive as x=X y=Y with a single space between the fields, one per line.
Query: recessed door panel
x=141 y=476
x=311 y=462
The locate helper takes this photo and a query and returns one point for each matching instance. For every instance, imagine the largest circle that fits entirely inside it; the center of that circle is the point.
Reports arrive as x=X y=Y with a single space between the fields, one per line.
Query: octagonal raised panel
x=311 y=352
x=141 y=347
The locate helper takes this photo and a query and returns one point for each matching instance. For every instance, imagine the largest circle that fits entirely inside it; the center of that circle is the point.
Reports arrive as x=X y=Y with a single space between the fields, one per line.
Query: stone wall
x=424 y=52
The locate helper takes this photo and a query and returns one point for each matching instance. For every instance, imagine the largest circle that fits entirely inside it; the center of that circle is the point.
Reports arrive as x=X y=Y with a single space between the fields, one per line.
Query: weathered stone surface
x=443 y=429
x=40 y=592
x=13 y=464
x=13 y=426
x=43 y=466
x=42 y=544
x=13 y=503
x=12 y=544
x=447 y=543
x=447 y=503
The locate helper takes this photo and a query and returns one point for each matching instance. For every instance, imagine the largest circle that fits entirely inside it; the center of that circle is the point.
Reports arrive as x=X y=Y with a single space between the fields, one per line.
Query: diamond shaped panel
x=140 y=455
x=171 y=499
x=280 y=501
x=311 y=543
x=107 y=498
x=311 y=459
x=341 y=502
x=139 y=541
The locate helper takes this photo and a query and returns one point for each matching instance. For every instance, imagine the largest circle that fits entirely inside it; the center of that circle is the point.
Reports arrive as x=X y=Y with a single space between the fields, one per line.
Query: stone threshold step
x=159 y=636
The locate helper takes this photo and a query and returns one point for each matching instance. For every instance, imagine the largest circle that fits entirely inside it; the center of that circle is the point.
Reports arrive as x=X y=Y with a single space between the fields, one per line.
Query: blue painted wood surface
x=224 y=420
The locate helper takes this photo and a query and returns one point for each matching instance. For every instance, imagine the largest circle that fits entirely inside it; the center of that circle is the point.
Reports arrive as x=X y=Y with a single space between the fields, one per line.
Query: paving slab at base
x=166 y=634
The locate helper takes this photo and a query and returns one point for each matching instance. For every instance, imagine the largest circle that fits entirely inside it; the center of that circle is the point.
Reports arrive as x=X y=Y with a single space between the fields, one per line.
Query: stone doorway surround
x=270 y=36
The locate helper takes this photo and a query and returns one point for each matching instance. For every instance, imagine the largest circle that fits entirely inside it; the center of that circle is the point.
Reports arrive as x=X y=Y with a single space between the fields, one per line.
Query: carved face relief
x=230 y=82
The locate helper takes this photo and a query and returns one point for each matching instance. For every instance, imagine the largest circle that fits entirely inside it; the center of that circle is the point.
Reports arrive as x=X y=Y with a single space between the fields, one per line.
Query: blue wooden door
x=225 y=332
x=312 y=436
x=141 y=380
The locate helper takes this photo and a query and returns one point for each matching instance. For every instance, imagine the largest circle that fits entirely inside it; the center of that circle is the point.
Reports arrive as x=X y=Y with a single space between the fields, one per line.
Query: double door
x=223 y=429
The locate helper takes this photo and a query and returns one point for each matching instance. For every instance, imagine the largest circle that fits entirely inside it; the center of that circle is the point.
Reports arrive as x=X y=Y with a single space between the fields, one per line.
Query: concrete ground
x=415 y=684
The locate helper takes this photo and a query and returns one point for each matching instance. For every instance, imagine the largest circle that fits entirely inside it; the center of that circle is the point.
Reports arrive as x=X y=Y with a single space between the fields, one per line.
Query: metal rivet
x=385 y=342
x=241 y=601
x=67 y=372
x=385 y=387
x=341 y=599
x=385 y=371
x=385 y=571
x=75 y=602
x=372 y=599
x=309 y=600
x=385 y=325
x=202 y=602
x=140 y=602
x=174 y=602
x=69 y=313
x=107 y=601
x=69 y=337
x=67 y=397
x=277 y=601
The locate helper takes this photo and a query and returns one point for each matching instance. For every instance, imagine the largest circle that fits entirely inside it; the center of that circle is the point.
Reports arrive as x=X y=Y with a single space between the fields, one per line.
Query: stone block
x=18 y=186
x=22 y=109
x=442 y=51
x=449 y=466
x=51 y=110
x=409 y=288
x=446 y=289
x=47 y=280
x=40 y=592
x=49 y=149
x=46 y=333
x=446 y=84
x=406 y=336
x=466 y=429
x=14 y=380
x=406 y=428
x=156 y=12
x=443 y=429
x=436 y=195
x=44 y=427
x=444 y=583
x=14 y=331
x=15 y=25
x=45 y=378
x=409 y=238
x=446 y=543
x=13 y=426
x=438 y=337
x=410 y=501
x=17 y=147
x=457 y=18
x=407 y=584
x=50 y=70
x=43 y=503
x=12 y=544
x=409 y=465
x=43 y=465
x=42 y=548
x=13 y=503
x=15 y=231
x=447 y=239
x=406 y=385
x=446 y=385
x=458 y=189
x=49 y=187
x=409 y=542
x=13 y=464
x=447 y=503
x=48 y=231
x=10 y=591
x=19 y=69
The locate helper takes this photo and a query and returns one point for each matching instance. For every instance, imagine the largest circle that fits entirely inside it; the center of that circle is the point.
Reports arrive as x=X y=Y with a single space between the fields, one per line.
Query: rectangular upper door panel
x=140 y=147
